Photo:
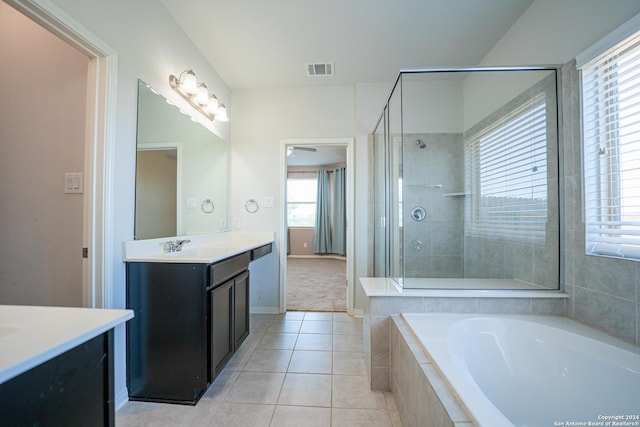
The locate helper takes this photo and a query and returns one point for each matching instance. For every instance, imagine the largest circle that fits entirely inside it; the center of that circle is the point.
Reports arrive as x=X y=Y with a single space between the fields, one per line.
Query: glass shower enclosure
x=466 y=179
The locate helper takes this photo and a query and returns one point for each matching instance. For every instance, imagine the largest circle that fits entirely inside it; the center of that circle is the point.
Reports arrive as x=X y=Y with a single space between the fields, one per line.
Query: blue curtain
x=322 y=234
x=339 y=241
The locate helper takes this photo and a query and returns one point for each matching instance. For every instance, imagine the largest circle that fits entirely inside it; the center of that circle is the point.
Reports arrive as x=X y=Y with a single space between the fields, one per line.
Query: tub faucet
x=175 y=246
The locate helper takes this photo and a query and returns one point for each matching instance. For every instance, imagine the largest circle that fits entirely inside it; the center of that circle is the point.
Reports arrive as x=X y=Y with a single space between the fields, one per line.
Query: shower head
x=420 y=144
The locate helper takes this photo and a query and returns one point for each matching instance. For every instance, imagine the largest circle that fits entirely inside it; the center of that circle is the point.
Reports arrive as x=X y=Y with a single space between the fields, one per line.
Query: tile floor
x=296 y=369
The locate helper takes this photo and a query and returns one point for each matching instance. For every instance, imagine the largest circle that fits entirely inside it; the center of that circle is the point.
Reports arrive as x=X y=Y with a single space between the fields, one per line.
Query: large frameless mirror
x=181 y=172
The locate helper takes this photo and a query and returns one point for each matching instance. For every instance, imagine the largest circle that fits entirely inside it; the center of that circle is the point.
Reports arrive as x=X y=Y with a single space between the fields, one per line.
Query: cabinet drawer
x=260 y=252
x=224 y=270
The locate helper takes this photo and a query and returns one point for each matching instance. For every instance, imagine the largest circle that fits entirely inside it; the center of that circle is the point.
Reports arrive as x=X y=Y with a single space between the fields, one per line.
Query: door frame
x=99 y=145
x=348 y=143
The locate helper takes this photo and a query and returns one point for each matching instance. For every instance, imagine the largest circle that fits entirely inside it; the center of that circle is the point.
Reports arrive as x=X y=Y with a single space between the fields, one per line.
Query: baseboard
x=340 y=257
x=122 y=397
x=264 y=310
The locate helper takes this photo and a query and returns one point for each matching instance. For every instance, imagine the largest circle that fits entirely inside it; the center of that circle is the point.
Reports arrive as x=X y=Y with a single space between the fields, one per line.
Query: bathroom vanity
x=192 y=314
x=56 y=365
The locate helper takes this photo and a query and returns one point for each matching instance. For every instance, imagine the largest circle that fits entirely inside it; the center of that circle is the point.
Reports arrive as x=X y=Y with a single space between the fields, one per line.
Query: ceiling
x=268 y=43
x=317 y=155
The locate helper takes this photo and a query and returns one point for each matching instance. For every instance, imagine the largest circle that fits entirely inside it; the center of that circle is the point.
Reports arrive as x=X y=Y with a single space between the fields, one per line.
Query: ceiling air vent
x=325 y=69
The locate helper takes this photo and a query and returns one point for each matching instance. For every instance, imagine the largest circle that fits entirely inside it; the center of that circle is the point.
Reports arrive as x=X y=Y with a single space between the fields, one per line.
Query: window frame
x=608 y=230
x=290 y=203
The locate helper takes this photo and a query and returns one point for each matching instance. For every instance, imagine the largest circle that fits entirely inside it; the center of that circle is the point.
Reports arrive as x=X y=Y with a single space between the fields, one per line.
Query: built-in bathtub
x=516 y=370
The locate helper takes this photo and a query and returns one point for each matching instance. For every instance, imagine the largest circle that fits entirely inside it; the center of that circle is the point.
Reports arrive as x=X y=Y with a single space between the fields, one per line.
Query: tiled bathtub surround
x=424 y=399
x=383 y=299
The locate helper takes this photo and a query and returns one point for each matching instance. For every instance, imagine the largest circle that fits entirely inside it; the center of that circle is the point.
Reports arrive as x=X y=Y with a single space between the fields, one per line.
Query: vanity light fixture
x=197 y=95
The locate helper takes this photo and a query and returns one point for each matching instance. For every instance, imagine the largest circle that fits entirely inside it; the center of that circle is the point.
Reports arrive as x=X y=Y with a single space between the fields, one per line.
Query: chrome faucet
x=175 y=245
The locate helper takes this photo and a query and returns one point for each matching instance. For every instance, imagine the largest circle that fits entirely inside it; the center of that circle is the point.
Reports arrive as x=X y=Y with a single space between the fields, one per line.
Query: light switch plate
x=269 y=202
x=73 y=183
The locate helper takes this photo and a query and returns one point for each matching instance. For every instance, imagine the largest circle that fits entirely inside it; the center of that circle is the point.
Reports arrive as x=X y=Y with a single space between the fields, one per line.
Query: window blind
x=507 y=173
x=611 y=146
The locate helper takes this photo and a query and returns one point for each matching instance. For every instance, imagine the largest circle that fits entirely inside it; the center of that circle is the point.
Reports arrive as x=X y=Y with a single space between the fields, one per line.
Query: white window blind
x=507 y=173
x=611 y=146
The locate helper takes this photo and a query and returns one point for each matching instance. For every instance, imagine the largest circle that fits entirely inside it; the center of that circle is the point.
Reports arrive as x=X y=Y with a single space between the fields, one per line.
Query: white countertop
x=202 y=248
x=456 y=288
x=30 y=335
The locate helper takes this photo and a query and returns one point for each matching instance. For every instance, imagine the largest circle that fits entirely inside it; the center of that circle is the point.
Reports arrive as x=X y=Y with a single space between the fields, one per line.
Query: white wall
x=555 y=31
x=262 y=118
x=42 y=129
x=150 y=46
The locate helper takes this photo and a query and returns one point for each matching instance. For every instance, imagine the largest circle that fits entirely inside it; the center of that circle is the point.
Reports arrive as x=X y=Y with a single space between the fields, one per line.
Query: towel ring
x=251 y=206
x=207 y=206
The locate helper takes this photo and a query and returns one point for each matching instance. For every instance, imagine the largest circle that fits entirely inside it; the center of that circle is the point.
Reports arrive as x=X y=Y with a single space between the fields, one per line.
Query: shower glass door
x=472 y=178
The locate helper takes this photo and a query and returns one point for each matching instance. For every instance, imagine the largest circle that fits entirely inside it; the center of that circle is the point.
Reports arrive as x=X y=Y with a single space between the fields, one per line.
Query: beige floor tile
x=344 y=317
x=285 y=326
x=277 y=341
x=316 y=327
x=306 y=390
x=318 y=315
x=143 y=414
x=256 y=387
x=269 y=361
x=355 y=392
x=347 y=343
x=299 y=416
x=320 y=342
x=346 y=363
x=294 y=315
x=301 y=362
x=360 y=418
x=242 y=415
x=259 y=323
x=221 y=385
x=347 y=328
x=310 y=362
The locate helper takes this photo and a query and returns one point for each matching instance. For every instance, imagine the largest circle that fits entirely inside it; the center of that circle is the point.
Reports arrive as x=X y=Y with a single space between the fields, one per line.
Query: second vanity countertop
x=31 y=335
x=205 y=249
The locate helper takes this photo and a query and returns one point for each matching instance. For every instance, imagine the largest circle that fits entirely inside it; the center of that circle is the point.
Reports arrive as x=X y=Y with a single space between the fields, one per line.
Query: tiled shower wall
x=526 y=259
x=433 y=247
x=604 y=292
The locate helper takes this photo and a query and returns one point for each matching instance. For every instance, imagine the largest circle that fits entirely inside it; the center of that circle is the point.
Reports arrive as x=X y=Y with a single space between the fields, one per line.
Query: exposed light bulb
x=222 y=114
x=212 y=107
x=202 y=96
x=188 y=82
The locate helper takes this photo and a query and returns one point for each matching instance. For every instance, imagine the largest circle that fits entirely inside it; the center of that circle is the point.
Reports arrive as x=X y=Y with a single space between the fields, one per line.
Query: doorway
x=99 y=138
x=317 y=242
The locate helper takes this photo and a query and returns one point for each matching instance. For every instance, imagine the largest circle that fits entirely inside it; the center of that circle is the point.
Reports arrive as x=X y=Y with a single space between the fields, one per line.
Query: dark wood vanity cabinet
x=229 y=302
x=74 y=388
x=189 y=320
